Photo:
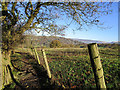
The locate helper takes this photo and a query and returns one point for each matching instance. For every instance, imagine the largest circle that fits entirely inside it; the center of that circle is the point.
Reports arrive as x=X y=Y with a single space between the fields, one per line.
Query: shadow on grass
x=35 y=75
x=14 y=80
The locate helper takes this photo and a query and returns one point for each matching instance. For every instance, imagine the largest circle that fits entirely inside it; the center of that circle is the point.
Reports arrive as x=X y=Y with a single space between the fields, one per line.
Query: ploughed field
x=71 y=68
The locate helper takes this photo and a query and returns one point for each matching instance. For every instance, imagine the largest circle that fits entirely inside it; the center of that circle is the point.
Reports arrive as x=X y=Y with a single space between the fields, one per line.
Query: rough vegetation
x=70 y=68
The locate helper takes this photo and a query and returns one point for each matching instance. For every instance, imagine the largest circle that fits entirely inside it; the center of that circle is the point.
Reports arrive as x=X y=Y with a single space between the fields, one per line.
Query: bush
x=55 y=44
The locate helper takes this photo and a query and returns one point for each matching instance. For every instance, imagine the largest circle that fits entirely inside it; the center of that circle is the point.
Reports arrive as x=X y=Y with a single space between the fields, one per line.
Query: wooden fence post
x=36 y=55
x=46 y=63
x=96 y=65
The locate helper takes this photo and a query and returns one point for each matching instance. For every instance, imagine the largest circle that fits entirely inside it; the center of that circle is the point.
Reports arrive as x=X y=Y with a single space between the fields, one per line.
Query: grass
x=72 y=67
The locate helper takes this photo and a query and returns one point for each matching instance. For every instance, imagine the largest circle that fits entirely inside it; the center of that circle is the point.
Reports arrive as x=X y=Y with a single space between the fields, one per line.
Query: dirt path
x=31 y=74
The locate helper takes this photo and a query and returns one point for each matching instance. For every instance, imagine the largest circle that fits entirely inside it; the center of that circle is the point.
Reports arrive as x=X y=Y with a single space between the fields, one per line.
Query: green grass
x=72 y=67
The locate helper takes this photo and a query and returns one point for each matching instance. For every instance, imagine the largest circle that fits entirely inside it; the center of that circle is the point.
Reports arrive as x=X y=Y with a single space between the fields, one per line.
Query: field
x=70 y=67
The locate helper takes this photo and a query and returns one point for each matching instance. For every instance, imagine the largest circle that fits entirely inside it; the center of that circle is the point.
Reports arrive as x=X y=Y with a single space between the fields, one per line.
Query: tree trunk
x=6 y=73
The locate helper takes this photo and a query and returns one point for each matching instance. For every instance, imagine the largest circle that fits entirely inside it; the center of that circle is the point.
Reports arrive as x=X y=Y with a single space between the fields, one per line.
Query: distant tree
x=55 y=44
x=71 y=45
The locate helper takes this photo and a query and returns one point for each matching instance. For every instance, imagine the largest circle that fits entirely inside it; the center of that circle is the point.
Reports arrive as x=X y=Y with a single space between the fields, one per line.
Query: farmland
x=39 y=48
x=70 y=67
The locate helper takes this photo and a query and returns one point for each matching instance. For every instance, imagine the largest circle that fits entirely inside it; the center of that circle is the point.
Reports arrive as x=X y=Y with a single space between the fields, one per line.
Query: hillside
x=45 y=40
x=90 y=41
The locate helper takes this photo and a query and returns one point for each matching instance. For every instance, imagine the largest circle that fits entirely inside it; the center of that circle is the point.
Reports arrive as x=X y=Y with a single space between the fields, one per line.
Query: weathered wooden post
x=36 y=55
x=96 y=65
x=46 y=63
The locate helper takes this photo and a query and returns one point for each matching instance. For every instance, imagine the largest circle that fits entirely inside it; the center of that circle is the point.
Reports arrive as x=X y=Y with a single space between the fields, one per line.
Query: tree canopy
x=18 y=17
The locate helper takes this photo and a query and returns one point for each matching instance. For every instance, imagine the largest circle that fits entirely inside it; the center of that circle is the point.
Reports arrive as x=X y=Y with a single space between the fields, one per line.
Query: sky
x=108 y=35
x=93 y=33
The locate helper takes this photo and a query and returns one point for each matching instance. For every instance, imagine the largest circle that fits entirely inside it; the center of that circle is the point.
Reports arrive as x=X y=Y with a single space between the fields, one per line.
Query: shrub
x=55 y=44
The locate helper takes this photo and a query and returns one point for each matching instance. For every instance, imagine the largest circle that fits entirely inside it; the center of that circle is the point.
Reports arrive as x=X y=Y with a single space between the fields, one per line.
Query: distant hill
x=115 y=42
x=90 y=41
x=69 y=42
x=46 y=40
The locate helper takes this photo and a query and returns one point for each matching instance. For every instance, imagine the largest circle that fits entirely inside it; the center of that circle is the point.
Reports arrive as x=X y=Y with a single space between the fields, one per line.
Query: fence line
x=95 y=62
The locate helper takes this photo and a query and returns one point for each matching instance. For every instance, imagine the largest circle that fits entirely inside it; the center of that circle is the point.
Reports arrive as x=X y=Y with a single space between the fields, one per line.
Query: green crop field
x=72 y=67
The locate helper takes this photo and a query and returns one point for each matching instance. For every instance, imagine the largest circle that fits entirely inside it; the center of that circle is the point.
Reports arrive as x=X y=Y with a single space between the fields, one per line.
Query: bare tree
x=18 y=17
